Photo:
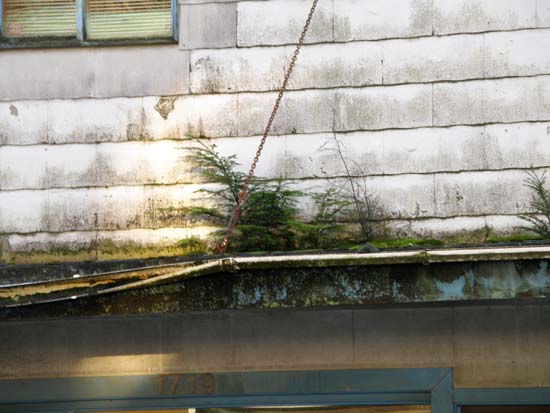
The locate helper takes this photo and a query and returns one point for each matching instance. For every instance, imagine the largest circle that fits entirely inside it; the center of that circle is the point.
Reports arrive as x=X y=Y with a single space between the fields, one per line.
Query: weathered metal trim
x=81 y=286
x=525 y=396
x=55 y=43
x=488 y=254
x=80 y=39
x=219 y=402
x=442 y=395
x=175 y=20
x=49 y=291
x=81 y=10
x=338 y=387
x=1 y=17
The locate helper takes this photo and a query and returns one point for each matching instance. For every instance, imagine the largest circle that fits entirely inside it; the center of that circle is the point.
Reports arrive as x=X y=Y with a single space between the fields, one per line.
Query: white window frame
x=80 y=39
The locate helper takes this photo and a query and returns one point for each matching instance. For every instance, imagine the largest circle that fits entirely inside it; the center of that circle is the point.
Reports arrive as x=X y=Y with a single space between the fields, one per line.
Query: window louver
x=129 y=19
x=39 y=18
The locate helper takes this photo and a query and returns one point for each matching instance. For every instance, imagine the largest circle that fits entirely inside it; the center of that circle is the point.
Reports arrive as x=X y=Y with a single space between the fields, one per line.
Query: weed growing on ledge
x=364 y=206
x=539 y=220
x=268 y=218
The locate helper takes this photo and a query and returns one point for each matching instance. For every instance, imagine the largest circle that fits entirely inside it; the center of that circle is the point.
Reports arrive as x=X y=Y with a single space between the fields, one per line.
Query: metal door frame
x=245 y=389
x=501 y=397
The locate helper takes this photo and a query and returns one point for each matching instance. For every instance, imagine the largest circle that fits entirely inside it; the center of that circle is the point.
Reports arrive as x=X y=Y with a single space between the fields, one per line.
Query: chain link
x=244 y=190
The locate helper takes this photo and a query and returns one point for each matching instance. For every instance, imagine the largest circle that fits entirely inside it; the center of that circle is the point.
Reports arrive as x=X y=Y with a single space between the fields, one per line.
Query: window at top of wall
x=28 y=22
x=137 y=19
x=39 y=18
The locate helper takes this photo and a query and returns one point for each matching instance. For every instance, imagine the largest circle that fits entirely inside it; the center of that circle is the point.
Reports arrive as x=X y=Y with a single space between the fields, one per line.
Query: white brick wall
x=381 y=19
x=492 y=101
x=362 y=63
x=386 y=152
x=461 y=16
x=281 y=22
x=99 y=72
x=443 y=103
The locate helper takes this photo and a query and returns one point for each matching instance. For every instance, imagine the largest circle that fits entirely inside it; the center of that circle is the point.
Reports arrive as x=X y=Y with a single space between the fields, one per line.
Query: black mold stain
x=296 y=288
x=14 y=111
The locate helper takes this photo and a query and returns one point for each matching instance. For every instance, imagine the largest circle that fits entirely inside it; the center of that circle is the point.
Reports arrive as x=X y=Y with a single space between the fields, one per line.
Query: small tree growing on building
x=268 y=215
x=539 y=219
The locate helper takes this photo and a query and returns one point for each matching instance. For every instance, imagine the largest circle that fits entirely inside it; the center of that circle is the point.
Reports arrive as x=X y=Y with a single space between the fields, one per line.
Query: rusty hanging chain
x=244 y=190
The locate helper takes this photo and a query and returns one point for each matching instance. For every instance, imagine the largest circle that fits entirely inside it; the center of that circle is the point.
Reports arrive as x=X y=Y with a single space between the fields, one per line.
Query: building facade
x=443 y=105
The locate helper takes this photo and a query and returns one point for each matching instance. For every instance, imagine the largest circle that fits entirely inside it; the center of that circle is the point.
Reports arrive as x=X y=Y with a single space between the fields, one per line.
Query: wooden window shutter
x=129 y=19
x=39 y=18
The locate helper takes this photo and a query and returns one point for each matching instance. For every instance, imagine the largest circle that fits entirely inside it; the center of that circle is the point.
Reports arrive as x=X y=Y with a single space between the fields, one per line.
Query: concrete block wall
x=488 y=346
x=443 y=103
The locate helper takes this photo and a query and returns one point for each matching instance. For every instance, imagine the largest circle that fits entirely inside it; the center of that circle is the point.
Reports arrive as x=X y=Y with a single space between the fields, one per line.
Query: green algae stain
x=104 y=250
x=51 y=256
x=108 y=250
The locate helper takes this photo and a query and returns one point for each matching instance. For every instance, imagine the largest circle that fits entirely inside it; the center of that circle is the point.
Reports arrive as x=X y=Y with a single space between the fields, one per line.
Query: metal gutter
x=110 y=282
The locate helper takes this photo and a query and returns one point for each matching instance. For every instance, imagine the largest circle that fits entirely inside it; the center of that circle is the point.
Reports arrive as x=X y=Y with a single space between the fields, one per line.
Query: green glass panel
x=129 y=19
x=39 y=18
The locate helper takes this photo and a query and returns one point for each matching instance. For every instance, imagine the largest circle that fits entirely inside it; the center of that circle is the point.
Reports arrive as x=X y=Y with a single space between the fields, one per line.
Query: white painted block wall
x=444 y=103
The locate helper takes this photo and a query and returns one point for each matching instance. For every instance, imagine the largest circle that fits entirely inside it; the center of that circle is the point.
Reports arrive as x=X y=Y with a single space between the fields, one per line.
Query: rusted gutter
x=110 y=282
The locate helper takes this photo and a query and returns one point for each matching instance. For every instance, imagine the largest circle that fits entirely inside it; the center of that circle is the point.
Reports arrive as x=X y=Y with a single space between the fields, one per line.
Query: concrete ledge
x=137 y=278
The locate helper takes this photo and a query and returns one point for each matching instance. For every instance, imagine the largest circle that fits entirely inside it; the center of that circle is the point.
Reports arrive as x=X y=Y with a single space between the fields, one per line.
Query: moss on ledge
x=313 y=287
x=104 y=250
x=107 y=249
